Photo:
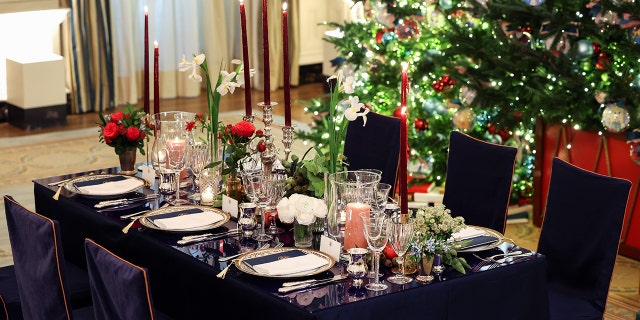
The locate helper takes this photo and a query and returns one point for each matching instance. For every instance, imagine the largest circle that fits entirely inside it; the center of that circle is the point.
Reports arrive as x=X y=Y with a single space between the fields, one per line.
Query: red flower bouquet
x=125 y=130
x=237 y=139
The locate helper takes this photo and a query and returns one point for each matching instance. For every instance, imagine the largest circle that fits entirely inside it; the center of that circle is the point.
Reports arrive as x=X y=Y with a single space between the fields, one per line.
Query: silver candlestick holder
x=248 y=118
x=270 y=154
x=287 y=140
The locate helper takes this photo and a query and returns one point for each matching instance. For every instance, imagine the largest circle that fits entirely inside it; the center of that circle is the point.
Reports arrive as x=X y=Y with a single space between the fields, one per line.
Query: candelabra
x=269 y=156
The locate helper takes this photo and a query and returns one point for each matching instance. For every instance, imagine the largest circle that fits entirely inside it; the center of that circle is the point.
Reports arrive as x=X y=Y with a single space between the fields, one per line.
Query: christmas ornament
x=463 y=119
x=397 y=112
x=421 y=124
x=615 y=118
x=433 y=105
x=633 y=140
x=444 y=82
x=467 y=95
x=636 y=82
x=445 y=4
x=583 y=49
x=408 y=29
x=388 y=37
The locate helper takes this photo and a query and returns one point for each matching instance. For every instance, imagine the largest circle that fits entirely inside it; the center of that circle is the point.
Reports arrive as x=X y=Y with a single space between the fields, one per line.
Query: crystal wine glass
x=400 y=236
x=199 y=157
x=276 y=184
x=376 y=233
x=256 y=188
x=381 y=195
x=176 y=162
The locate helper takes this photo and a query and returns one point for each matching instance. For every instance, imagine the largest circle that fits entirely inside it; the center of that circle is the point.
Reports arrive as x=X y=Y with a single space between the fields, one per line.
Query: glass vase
x=302 y=234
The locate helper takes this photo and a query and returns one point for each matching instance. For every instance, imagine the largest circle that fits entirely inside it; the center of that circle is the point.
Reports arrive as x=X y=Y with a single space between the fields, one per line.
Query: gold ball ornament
x=463 y=119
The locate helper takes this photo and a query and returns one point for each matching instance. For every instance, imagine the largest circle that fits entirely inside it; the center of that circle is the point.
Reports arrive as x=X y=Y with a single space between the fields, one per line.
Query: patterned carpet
x=45 y=155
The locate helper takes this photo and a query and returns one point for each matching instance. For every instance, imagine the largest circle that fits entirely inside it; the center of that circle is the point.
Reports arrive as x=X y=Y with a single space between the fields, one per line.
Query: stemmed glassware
x=256 y=187
x=176 y=150
x=199 y=157
x=400 y=237
x=376 y=233
x=276 y=184
x=381 y=195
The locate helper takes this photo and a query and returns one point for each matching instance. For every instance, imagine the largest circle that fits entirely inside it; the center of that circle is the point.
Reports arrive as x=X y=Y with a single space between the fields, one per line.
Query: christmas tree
x=492 y=69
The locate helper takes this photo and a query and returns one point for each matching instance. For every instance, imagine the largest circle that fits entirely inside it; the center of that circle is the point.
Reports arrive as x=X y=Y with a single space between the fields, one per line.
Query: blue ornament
x=432 y=104
x=446 y=4
x=388 y=37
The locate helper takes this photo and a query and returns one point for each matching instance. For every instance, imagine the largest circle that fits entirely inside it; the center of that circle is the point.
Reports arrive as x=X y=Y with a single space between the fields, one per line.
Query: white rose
x=305 y=218
x=285 y=214
x=320 y=208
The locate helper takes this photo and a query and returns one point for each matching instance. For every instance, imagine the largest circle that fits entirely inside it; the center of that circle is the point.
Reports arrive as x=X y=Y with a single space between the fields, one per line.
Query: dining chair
x=48 y=286
x=120 y=289
x=374 y=145
x=478 y=180
x=579 y=236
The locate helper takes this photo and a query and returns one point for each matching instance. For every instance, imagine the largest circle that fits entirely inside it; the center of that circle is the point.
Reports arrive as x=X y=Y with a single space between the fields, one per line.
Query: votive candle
x=245 y=56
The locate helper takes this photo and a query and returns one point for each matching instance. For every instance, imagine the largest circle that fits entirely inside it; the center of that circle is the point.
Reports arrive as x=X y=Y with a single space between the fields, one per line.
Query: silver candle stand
x=270 y=154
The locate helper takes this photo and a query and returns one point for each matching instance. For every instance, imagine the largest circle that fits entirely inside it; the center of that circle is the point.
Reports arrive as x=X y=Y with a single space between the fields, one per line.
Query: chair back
x=478 y=181
x=580 y=234
x=39 y=263
x=374 y=145
x=120 y=289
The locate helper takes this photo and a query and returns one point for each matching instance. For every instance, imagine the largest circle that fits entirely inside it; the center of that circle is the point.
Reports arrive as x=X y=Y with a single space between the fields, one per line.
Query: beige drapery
x=219 y=37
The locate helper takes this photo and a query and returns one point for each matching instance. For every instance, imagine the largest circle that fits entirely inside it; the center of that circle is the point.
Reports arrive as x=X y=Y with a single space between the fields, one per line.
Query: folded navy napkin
x=478 y=241
x=94 y=182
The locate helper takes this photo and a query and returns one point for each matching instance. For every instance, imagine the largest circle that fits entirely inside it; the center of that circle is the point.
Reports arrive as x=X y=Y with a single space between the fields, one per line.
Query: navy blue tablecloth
x=184 y=283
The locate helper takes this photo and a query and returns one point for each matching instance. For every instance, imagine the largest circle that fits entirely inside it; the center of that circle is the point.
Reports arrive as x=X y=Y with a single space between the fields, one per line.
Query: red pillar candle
x=245 y=57
x=156 y=79
x=265 y=48
x=287 y=80
x=145 y=73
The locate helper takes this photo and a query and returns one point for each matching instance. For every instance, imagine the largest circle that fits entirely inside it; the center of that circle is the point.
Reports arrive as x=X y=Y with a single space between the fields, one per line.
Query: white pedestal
x=36 y=92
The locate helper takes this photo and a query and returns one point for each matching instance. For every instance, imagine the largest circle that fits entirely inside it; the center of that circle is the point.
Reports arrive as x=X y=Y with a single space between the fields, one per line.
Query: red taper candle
x=145 y=73
x=156 y=79
x=265 y=48
x=404 y=199
x=287 y=80
x=245 y=57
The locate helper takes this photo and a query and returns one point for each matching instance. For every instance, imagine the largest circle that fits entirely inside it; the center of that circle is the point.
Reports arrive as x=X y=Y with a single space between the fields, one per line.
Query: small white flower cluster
x=434 y=227
x=304 y=209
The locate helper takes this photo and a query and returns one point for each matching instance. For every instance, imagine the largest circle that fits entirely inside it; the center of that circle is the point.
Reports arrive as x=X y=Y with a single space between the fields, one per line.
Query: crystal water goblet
x=400 y=237
x=255 y=186
x=276 y=184
x=376 y=233
x=176 y=162
x=199 y=157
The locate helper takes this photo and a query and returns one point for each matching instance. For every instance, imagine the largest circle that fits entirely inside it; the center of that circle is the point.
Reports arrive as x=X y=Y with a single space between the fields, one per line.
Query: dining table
x=185 y=284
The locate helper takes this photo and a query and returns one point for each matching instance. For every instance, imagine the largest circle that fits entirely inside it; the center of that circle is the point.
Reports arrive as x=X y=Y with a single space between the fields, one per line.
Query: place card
x=230 y=206
x=148 y=174
x=330 y=247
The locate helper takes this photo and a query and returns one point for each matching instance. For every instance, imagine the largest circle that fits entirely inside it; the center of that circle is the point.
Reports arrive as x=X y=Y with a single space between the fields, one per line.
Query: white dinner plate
x=489 y=245
x=145 y=221
x=244 y=267
x=133 y=183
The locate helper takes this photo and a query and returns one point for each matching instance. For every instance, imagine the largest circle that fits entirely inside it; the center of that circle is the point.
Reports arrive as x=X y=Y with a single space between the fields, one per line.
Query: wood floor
x=228 y=103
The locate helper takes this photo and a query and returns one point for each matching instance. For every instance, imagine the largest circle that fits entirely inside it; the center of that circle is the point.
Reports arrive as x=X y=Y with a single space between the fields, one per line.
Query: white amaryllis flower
x=193 y=65
x=353 y=112
x=227 y=85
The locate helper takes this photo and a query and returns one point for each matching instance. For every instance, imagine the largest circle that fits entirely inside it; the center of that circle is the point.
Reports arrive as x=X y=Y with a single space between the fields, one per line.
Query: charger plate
x=145 y=221
x=243 y=266
x=489 y=240
x=72 y=185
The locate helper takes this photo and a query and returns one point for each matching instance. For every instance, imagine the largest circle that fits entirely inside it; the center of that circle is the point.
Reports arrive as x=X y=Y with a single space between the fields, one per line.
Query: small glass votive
x=166 y=183
x=209 y=183
x=247 y=218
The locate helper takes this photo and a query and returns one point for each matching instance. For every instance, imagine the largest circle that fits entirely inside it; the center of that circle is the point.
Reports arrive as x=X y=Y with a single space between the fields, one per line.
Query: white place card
x=148 y=174
x=230 y=205
x=330 y=247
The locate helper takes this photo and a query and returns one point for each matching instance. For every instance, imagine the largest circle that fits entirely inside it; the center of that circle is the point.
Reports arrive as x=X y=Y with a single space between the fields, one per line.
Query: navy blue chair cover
x=478 y=181
x=48 y=286
x=579 y=236
x=119 y=288
x=9 y=296
x=375 y=145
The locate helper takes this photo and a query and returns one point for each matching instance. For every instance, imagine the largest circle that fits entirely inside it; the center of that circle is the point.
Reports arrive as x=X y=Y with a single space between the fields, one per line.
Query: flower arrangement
x=433 y=230
x=237 y=139
x=225 y=83
x=125 y=130
x=304 y=209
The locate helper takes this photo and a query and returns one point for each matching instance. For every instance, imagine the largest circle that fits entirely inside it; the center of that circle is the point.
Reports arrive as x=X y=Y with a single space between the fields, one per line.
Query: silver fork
x=493 y=257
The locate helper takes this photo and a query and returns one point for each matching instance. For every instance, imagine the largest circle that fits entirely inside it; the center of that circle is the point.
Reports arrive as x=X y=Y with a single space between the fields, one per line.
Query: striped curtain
x=88 y=52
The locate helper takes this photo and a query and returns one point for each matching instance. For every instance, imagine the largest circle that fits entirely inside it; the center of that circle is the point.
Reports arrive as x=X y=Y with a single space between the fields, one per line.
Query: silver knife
x=108 y=203
x=207 y=238
x=312 y=284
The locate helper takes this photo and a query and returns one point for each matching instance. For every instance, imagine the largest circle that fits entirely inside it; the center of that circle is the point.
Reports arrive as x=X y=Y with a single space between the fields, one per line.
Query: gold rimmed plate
x=489 y=239
x=148 y=220
x=104 y=186
x=246 y=262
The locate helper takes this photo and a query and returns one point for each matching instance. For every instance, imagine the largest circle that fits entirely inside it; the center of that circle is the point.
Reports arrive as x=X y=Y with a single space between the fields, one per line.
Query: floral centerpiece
x=238 y=140
x=225 y=83
x=301 y=210
x=433 y=231
x=126 y=130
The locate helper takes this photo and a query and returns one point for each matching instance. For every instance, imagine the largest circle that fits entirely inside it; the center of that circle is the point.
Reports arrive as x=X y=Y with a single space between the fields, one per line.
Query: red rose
x=243 y=129
x=122 y=130
x=261 y=146
x=133 y=133
x=117 y=117
x=110 y=132
x=259 y=133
